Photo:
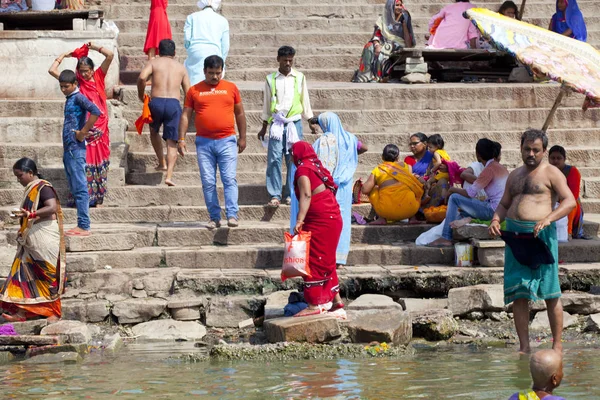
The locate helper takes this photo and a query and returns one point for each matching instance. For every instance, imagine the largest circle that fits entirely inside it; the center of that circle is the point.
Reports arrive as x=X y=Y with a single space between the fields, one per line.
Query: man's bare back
x=168 y=77
x=532 y=192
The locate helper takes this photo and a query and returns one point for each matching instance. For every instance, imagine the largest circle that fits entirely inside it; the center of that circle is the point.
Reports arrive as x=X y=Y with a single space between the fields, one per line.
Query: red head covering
x=305 y=157
x=81 y=52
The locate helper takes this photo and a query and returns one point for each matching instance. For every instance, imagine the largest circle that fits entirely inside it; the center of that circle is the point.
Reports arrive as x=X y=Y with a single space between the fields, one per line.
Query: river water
x=146 y=372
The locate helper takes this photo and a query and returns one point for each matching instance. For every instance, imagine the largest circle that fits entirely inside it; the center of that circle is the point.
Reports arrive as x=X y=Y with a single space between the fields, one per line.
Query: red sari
x=98 y=148
x=324 y=221
x=159 y=27
x=576 y=216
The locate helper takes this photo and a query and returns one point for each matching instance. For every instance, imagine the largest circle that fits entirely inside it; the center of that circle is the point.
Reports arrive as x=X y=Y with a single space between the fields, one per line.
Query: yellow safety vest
x=296 y=102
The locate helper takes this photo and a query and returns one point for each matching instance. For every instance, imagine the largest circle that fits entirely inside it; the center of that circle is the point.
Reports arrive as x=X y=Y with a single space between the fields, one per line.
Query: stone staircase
x=149 y=243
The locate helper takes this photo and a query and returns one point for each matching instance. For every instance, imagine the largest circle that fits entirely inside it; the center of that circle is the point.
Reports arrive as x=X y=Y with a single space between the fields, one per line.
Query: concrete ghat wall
x=26 y=56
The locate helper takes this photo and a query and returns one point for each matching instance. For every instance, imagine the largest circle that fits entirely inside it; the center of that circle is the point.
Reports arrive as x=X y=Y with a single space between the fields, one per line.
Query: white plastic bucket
x=463 y=255
x=43 y=5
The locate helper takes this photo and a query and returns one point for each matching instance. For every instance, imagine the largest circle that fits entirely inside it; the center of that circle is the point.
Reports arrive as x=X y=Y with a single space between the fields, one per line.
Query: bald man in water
x=546 y=369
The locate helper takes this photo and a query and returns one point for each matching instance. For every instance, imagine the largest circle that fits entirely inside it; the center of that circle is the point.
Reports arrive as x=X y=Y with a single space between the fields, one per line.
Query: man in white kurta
x=206 y=33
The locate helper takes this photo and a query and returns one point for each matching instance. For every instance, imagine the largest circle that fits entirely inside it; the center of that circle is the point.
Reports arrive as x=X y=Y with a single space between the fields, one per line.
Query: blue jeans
x=275 y=155
x=74 y=162
x=468 y=208
x=224 y=154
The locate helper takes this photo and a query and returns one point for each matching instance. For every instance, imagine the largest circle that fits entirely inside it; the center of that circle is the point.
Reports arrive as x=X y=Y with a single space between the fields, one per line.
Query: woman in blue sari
x=568 y=20
x=338 y=151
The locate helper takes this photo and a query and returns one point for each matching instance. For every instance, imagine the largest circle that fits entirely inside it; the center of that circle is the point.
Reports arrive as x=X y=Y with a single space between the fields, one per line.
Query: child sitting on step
x=435 y=144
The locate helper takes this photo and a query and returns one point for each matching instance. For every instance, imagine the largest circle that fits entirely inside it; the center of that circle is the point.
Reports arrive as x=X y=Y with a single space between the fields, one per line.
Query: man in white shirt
x=205 y=34
x=286 y=101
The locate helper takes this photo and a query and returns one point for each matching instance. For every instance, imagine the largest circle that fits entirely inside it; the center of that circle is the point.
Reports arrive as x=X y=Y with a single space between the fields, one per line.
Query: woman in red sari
x=159 y=27
x=91 y=85
x=319 y=214
x=557 y=156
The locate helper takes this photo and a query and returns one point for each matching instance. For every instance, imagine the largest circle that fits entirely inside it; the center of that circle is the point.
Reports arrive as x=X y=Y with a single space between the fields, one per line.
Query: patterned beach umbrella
x=574 y=64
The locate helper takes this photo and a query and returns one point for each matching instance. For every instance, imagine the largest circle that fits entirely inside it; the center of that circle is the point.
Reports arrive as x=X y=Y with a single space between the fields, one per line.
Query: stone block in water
x=374 y=302
x=312 y=329
x=476 y=298
x=434 y=324
x=389 y=326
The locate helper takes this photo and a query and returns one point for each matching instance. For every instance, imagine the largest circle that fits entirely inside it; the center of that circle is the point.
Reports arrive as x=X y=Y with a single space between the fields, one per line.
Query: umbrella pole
x=522 y=10
x=554 y=108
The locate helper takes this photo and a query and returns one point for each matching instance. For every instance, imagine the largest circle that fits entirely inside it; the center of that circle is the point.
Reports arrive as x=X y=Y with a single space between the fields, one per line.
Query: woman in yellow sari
x=37 y=276
x=393 y=190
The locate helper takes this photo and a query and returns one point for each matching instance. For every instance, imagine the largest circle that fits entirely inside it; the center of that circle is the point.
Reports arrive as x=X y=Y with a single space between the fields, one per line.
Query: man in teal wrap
x=527 y=205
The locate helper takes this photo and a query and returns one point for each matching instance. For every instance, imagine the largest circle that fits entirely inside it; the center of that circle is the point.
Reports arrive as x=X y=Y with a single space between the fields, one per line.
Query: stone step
x=426 y=280
x=263 y=39
x=321 y=24
x=144 y=162
x=391 y=96
x=240 y=62
x=50 y=154
x=147 y=196
x=193 y=178
x=160 y=214
x=178 y=11
x=324 y=95
x=56 y=176
x=258 y=74
x=120 y=237
x=428 y=121
x=284 y=10
x=270 y=256
x=376 y=141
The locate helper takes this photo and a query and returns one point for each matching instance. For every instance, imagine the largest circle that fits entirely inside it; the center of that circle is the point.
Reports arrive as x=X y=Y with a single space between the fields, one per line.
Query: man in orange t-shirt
x=218 y=107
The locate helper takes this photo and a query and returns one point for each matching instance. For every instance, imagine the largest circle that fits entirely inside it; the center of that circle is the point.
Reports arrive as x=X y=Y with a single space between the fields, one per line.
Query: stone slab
x=81 y=349
x=85 y=310
x=410 y=304
x=374 y=302
x=468 y=232
x=312 y=329
x=383 y=325
x=435 y=324
x=169 y=330
x=488 y=243
x=74 y=332
x=28 y=340
x=228 y=311
x=580 y=303
x=491 y=256
x=138 y=310
x=69 y=357
x=276 y=302
x=33 y=327
x=476 y=298
x=542 y=322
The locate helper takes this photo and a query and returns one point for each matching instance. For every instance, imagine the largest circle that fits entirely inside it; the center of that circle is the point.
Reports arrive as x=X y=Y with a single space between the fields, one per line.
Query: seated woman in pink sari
x=91 y=85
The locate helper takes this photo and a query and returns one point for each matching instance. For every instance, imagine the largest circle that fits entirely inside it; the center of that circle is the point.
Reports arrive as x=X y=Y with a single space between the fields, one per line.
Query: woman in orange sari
x=37 y=276
x=393 y=190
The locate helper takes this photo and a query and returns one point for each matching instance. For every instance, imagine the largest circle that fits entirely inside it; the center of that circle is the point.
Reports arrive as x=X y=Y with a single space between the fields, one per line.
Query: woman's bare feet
x=441 y=242
x=460 y=222
x=310 y=310
x=52 y=320
x=379 y=221
x=14 y=318
x=169 y=182
x=161 y=168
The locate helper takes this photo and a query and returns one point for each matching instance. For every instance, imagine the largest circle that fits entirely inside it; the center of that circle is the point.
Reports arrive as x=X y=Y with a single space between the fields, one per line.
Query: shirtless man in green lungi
x=527 y=205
